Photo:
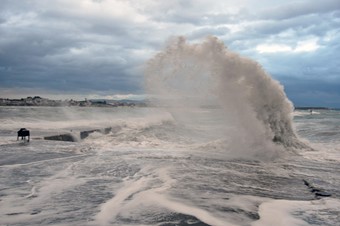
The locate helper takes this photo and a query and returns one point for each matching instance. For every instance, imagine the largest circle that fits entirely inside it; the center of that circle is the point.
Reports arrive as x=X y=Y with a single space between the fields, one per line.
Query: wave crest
x=255 y=108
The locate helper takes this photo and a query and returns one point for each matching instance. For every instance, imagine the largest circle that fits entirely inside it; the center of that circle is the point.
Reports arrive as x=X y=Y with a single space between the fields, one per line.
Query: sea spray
x=255 y=109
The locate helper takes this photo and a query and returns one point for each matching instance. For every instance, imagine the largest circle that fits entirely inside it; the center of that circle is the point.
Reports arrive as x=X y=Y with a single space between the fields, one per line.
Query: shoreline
x=44 y=102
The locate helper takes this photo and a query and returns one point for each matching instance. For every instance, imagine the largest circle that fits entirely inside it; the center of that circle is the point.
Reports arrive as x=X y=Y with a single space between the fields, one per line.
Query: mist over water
x=187 y=78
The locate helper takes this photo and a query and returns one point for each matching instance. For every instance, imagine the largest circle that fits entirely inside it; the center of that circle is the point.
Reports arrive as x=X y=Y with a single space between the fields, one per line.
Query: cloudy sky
x=98 y=47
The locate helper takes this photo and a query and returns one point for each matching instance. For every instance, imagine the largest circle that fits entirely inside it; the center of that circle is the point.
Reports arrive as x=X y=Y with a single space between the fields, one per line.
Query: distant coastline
x=40 y=101
x=314 y=108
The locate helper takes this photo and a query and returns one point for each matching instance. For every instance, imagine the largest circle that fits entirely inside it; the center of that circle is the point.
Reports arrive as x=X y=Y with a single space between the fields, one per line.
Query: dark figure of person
x=23 y=133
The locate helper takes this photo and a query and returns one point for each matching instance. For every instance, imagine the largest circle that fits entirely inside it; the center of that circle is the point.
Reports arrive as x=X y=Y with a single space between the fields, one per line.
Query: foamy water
x=156 y=171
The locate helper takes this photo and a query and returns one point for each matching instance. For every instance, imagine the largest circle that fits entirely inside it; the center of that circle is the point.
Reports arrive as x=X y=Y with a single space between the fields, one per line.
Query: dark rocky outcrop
x=318 y=192
x=62 y=137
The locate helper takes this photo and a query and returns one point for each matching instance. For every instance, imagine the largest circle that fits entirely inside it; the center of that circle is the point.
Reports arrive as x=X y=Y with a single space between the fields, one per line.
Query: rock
x=62 y=137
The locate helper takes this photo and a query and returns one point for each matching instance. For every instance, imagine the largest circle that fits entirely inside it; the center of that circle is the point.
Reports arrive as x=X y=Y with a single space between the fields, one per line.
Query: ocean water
x=219 y=145
x=155 y=168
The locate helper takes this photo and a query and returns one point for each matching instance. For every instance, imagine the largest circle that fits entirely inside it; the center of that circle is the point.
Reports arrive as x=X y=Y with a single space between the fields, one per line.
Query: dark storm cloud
x=86 y=46
x=65 y=50
x=305 y=92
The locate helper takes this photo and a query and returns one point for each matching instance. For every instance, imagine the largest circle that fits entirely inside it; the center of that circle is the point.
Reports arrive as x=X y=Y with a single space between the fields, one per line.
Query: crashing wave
x=255 y=107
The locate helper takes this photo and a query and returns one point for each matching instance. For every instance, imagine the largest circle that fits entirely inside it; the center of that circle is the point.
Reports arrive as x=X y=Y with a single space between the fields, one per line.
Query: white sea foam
x=293 y=213
x=156 y=170
x=144 y=193
x=304 y=113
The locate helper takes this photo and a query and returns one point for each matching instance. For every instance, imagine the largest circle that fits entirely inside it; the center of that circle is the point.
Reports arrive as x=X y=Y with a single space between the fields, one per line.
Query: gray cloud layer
x=87 y=47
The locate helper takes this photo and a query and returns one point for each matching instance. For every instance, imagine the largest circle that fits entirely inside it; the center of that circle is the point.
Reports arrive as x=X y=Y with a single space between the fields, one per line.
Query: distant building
x=29 y=101
x=37 y=100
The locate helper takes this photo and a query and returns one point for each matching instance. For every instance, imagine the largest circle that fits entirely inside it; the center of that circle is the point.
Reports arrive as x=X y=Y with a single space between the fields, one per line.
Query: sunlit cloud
x=309 y=45
x=273 y=48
